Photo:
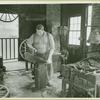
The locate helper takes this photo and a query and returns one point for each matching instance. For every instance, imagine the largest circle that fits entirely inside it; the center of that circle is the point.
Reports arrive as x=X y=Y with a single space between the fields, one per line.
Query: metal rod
x=14 y=47
x=10 y=48
x=6 y=48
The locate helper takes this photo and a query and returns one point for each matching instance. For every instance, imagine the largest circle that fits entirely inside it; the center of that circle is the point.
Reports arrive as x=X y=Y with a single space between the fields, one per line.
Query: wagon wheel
x=26 y=53
x=23 y=48
x=4 y=91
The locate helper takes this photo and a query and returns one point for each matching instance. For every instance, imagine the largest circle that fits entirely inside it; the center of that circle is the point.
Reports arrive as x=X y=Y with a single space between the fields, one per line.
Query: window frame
x=88 y=25
x=74 y=30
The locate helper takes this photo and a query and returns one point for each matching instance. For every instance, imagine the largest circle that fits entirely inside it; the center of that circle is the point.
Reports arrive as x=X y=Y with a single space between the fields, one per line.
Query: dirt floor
x=20 y=82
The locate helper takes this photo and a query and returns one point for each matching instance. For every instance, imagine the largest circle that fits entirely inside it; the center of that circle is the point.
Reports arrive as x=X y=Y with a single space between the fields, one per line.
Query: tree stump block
x=40 y=75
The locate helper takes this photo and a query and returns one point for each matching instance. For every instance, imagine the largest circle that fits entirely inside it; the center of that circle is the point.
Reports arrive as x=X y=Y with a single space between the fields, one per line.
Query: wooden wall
x=95 y=24
x=29 y=17
x=76 y=53
x=52 y=16
x=96 y=16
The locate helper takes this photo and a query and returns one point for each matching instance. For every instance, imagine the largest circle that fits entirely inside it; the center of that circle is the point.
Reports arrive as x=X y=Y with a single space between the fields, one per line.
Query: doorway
x=74 y=43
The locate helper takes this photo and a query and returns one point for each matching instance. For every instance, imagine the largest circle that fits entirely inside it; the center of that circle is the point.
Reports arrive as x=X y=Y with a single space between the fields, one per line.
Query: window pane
x=75 y=23
x=74 y=33
x=71 y=27
x=89 y=10
x=88 y=31
x=89 y=15
x=74 y=37
x=79 y=27
x=11 y=29
x=75 y=20
x=89 y=20
x=78 y=19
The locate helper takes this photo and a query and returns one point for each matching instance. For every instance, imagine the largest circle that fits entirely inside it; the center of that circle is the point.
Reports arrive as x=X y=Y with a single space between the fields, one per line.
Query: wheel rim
x=22 y=49
x=4 y=91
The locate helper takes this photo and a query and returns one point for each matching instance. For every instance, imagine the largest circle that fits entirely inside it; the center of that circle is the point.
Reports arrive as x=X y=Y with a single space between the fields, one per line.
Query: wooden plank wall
x=76 y=53
x=95 y=24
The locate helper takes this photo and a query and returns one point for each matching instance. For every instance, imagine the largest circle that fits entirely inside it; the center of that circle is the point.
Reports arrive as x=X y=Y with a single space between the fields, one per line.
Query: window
x=9 y=34
x=9 y=29
x=75 y=28
x=89 y=20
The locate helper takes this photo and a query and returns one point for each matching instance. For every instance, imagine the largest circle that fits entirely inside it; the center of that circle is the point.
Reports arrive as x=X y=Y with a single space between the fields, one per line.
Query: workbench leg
x=64 y=87
x=31 y=66
x=26 y=64
x=95 y=93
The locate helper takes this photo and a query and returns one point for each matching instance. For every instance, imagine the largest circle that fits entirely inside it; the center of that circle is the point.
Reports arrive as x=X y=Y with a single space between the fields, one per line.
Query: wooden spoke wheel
x=4 y=91
x=23 y=49
x=5 y=17
x=28 y=53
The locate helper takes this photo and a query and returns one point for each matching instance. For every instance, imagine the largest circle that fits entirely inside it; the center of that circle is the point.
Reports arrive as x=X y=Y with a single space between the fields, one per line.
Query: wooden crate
x=80 y=83
x=83 y=83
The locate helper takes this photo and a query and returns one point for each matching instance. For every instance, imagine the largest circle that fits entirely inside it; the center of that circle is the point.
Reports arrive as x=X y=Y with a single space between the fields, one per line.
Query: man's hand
x=35 y=50
x=32 y=50
x=49 y=60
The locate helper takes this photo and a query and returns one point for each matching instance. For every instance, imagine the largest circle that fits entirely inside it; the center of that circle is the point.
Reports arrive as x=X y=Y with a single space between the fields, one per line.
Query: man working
x=43 y=44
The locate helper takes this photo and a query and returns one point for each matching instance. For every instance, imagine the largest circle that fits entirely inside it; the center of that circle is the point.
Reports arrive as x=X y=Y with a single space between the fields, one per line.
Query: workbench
x=80 y=84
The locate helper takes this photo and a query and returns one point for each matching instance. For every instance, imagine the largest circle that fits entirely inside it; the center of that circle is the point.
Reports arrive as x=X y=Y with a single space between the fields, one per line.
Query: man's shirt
x=42 y=43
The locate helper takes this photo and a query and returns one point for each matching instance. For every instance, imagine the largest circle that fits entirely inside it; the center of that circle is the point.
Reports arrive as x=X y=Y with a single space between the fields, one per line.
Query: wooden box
x=80 y=83
x=84 y=84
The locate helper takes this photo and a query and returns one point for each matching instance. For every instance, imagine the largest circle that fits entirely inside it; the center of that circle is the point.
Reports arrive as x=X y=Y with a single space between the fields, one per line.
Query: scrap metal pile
x=87 y=65
x=81 y=77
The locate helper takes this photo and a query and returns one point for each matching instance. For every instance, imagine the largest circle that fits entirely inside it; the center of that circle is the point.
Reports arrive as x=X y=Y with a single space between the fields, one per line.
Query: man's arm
x=30 y=42
x=52 y=46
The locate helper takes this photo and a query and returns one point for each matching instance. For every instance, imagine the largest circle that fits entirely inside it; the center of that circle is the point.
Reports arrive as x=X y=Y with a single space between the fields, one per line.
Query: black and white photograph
x=50 y=50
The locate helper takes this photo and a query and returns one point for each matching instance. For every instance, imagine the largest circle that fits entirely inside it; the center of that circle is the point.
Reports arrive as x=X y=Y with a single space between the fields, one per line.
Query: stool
x=40 y=75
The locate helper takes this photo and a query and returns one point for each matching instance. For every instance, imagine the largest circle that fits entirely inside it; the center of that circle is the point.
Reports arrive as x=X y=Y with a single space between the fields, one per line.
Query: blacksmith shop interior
x=72 y=34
